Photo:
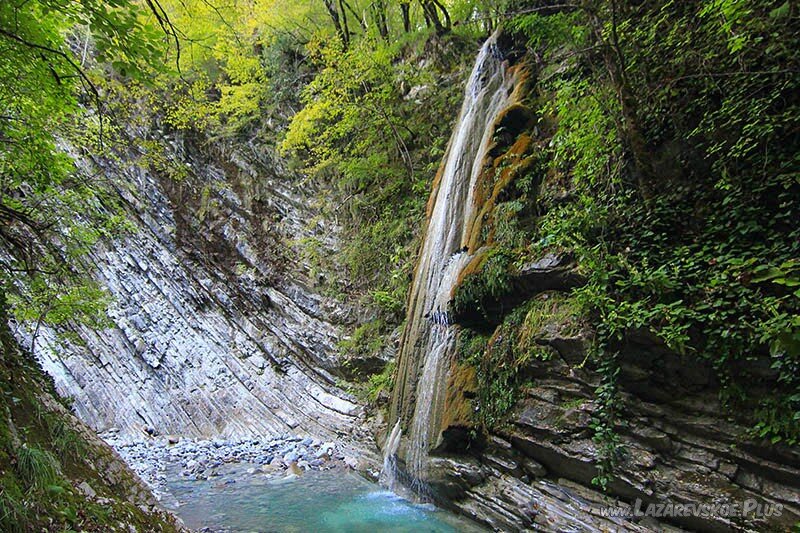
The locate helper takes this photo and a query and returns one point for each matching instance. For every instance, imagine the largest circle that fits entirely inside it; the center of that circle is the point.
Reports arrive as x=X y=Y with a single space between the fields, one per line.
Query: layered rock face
x=535 y=468
x=42 y=442
x=680 y=448
x=217 y=330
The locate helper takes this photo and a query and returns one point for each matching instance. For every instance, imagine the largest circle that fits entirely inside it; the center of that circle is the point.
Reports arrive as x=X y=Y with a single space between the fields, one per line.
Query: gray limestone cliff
x=218 y=328
x=56 y=473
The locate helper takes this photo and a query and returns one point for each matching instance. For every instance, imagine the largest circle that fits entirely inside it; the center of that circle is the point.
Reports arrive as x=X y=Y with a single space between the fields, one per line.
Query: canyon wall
x=56 y=472
x=218 y=329
x=221 y=327
x=533 y=463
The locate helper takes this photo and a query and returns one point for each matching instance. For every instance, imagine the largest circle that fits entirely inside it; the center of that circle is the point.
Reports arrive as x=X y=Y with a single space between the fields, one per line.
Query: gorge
x=239 y=286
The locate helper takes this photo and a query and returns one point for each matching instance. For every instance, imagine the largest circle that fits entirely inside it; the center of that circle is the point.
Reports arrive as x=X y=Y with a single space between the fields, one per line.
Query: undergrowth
x=673 y=178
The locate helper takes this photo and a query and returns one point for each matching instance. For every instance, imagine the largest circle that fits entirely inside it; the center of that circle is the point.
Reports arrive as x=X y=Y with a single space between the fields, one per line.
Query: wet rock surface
x=551 y=272
x=680 y=448
x=506 y=495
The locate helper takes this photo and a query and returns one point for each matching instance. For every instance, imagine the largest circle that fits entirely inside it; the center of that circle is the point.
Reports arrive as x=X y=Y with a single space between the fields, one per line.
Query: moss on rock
x=55 y=473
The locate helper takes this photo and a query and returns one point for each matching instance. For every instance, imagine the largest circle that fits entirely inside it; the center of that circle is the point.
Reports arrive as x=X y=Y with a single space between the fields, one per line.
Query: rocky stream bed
x=286 y=483
x=157 y=459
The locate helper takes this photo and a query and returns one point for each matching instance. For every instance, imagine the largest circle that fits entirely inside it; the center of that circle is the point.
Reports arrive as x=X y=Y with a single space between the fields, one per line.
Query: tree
x=379 y=17
x=339 y=21
x=432 y=10
x=405 y=8
x=50 y=100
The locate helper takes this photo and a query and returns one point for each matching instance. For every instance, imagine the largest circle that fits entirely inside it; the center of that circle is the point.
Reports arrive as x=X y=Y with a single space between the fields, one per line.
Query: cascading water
x=428 y=342
x=389 y=471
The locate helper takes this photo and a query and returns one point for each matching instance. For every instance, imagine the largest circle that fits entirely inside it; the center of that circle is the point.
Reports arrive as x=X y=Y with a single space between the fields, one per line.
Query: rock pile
x=194 y=459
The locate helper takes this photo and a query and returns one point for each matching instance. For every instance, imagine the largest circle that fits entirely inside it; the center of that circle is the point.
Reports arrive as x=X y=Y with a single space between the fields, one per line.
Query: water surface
x=318 y=501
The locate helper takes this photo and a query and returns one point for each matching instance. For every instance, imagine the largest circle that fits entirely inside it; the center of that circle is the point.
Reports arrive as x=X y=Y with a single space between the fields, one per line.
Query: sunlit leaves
x=54 y=56
x=43 y=301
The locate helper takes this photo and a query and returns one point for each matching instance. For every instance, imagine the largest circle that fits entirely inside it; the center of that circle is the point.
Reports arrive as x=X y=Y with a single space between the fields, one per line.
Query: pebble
x=198 y=459
x=320 y=454
x=289 y=457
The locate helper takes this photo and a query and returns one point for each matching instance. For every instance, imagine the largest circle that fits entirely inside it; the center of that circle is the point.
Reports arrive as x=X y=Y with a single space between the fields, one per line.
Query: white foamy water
x=389 y=472
x=429 y=340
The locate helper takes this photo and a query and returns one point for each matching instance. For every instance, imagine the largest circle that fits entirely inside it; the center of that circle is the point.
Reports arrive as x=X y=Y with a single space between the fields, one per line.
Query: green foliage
x=586 y=139
x=37 y=468
x=365 y=340
x=311 y=251
x=552 y=313
x=606 y=420
x=383 y=381
x=223 y=83
x=548 y=33
x=675 y=144
x=13 y=514
x=575 y=403
x=490 y=282
x=50 y=97
x=374 y=149
x=66 y=442
x=57 y=305
x=500 y=361
x=496 y=376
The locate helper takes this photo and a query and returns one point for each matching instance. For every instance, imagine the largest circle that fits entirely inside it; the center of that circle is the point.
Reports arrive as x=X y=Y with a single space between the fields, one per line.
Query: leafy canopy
x=52 y=55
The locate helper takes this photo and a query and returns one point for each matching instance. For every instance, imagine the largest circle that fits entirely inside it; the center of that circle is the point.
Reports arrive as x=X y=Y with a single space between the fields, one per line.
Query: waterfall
x=389 y=471
x=428 y=342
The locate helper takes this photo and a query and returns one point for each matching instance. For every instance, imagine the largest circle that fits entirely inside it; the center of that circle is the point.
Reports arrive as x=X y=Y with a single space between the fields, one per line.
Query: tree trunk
x=345 y=28
x=379 y=16
x=431 y=16
x=405 y=8
x=334 y=14
x=359 y=18
x=431 y=9
x=447 y=22
x=616 y=66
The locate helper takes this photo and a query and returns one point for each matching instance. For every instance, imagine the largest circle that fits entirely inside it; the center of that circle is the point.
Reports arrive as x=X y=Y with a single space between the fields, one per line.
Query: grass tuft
x=12 y=513
x=37 y=468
